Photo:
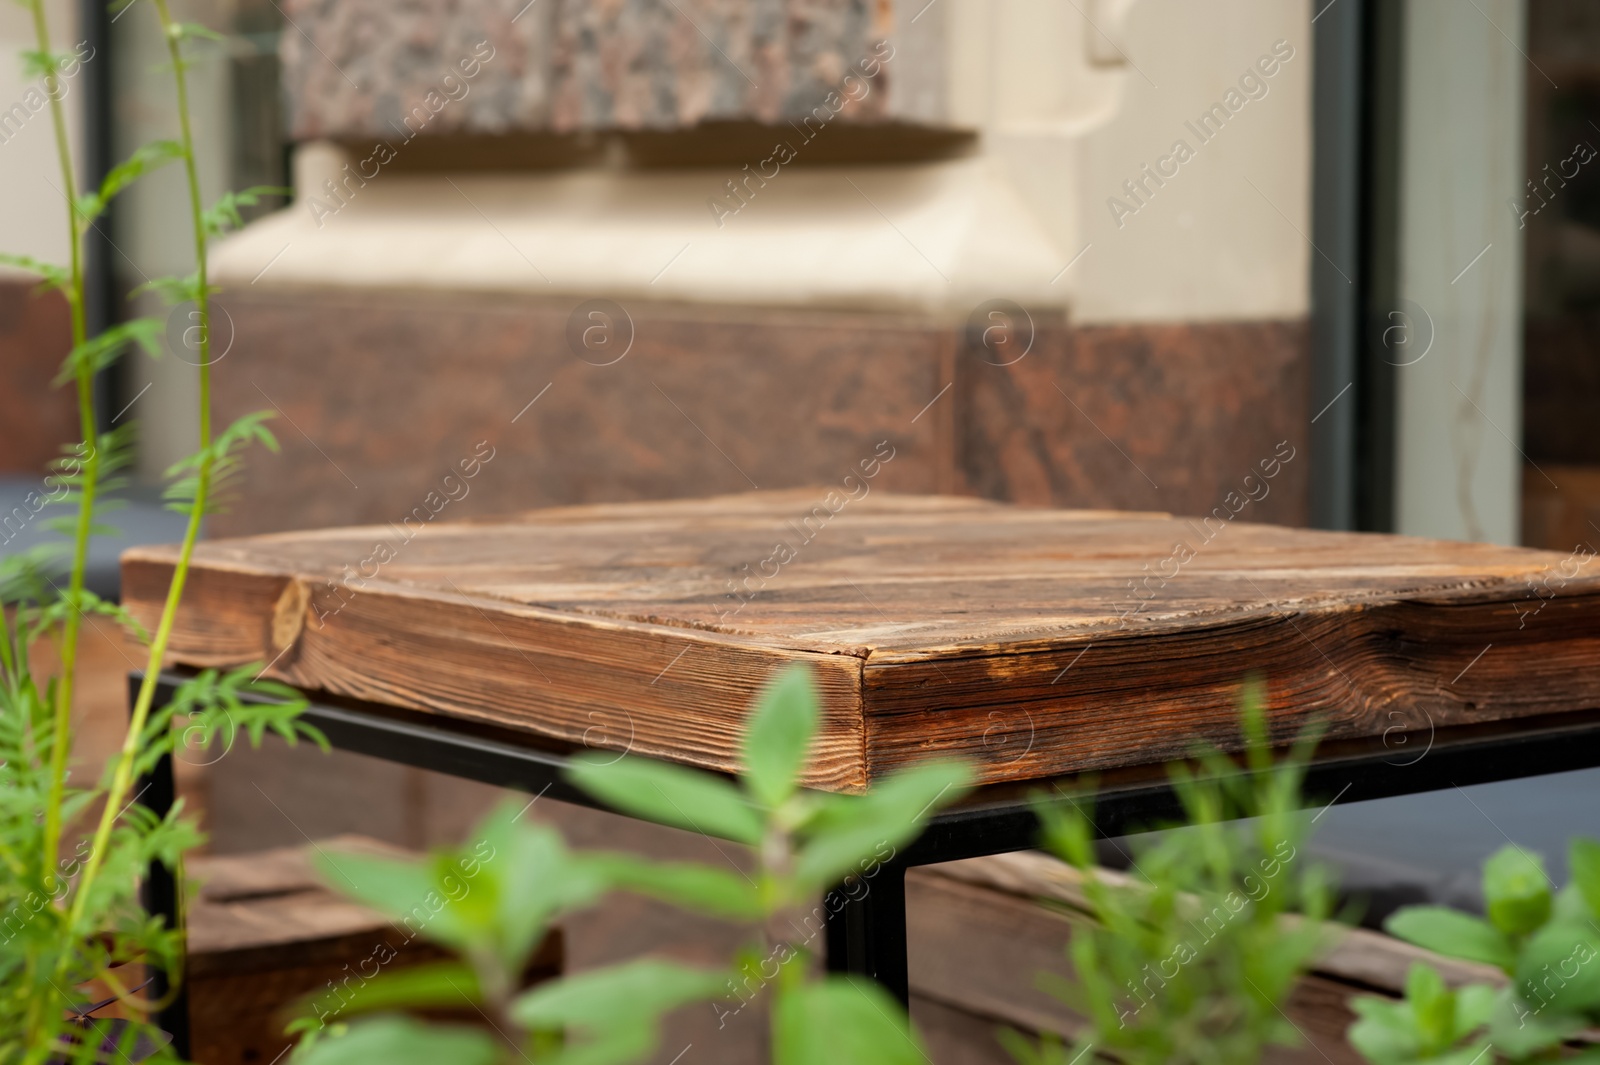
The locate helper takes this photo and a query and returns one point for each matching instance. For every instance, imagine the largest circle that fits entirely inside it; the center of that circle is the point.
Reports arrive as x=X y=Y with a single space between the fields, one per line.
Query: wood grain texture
x=1035 y=642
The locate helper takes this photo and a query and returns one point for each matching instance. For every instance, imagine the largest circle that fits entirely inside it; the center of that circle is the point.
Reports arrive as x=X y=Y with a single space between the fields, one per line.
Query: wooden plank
x=1036 y=642
x=1361 y=957
x=980 y=931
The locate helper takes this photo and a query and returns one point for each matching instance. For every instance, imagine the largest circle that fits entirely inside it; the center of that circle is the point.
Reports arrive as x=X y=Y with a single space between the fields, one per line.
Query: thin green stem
x=61 y=732
x=8 y=668
x=122 y=779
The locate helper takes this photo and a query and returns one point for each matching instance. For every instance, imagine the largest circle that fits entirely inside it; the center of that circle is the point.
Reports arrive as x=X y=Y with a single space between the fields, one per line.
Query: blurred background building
x=1083 y=253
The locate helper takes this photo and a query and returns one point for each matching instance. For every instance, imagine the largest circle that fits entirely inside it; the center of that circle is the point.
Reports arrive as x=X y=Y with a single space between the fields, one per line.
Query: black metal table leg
x=160 y=890
x=867 y=933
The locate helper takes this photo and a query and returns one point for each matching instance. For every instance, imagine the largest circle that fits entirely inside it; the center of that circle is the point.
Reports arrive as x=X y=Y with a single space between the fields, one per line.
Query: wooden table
x=1036 y=643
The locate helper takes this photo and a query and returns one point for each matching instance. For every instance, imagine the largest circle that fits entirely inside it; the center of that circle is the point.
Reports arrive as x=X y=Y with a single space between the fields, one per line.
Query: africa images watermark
x=451 y=87
x=452 y=488
x=1253 y=85
x=856 y=86
x=1582 y=153
x=456 y=886
x=1550 y=983
x=755 y=975
x=1255 y=486
x=1209 y=924
x=55 y=889
x=38 y=97
x=855 y=487
x=56 y=487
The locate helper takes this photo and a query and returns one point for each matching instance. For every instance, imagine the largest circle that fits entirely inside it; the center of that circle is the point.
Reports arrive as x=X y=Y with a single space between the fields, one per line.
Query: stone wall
x=365 y=68
x=381 y=394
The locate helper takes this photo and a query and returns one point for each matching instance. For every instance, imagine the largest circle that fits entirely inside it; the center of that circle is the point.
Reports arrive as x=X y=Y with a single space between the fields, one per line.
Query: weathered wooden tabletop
x=1034 y=642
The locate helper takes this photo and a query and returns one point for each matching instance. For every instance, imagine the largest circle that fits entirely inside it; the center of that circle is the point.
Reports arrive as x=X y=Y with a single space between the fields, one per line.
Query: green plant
x=802 y=843
x=1191 y=957
x=1547 y=943
x=70 y=917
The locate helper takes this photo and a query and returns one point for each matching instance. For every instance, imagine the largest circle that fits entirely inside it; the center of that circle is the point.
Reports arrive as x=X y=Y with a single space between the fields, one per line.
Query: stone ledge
x=936 y=237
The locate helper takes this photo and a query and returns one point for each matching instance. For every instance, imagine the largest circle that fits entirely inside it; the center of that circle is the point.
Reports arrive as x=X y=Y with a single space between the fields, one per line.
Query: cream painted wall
x=152 y=236
x=1066 y=115
x=1077 y=98
x=1227 y=236
x=1459 y=468
x=153 y=233
x=33 y=217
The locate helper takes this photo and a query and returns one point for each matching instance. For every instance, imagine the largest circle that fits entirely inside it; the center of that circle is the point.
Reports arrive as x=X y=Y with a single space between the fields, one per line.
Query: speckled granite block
x=707 y=400
x=403 y=68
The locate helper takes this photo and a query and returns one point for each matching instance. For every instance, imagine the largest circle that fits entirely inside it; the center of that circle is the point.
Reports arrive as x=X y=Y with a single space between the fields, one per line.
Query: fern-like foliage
x=75 y=843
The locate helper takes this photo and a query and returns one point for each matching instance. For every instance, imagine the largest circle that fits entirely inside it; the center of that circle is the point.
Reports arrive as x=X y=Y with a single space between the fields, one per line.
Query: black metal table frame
x=866 y=930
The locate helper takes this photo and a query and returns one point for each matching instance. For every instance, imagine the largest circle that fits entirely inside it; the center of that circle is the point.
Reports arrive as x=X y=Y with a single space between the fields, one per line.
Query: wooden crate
x=264 y=931
x=978 y=937
x=1561 y=519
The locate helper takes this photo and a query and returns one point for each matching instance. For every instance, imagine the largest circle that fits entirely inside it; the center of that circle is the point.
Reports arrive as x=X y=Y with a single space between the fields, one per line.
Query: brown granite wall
x=360 y=68
x=1138 y=417
x=1561 y=387
x=36 y=418
x=380 y=396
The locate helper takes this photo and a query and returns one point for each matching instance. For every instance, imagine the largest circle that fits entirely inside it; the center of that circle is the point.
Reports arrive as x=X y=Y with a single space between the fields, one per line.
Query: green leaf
x=440 y=985
x=668 y=794
x=1454 y=934
x=621 y=1045
x=1516 y=890
x=493 y=898
x=616 y=1011
x=1432 y=1005
x=1559 y=969
x=1065 y=828
x=529 y=878
x=175 y=290
x=693 y=887
x=99 y=352
x=853 y=831
x=220 y=703
x=37 y=63
x=225 y=215
x=224 y=463
x=403 y=889
x=1583 y=859
x=1428 y=1025
x=188 y=31
x=1475 y=1004
x=146 y=159
x=601 y=997
x=840 y=1019
x=1522 y=1029
x=402 y=1041
x=778 y=738
x=1475 y=1053
x=54 y=276
x=1384 y=1032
